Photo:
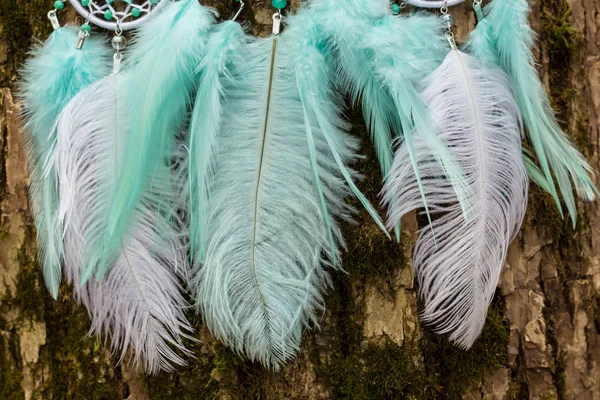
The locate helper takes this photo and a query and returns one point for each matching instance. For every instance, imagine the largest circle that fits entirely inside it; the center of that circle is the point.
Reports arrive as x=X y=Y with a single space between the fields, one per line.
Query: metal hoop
x=433 y=3
x=94 y=13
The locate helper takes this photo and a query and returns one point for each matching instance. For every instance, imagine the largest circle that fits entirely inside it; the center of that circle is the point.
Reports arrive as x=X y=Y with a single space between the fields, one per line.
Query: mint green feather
x=534 y=172
x=53 y=75
x=159 y=87
x=223 y=45
x=558 y=157
x=276 y=185
x=481 y=45
x=314 y=86
x=381 y=60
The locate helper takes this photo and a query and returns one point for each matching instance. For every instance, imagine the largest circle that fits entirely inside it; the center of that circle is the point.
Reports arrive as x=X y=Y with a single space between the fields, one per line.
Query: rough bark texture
x=541 y=340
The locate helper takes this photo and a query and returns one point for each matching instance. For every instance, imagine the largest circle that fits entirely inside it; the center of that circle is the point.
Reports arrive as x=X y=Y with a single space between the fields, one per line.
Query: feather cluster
x=159 y=91
x=54 y=73
x=122 y=244
x=481 y=101
x=507 y=40
x=381 y=60
x=268 y=181
x=458 y=261
x=266 y=176
x=221 y=162
x=139 y=303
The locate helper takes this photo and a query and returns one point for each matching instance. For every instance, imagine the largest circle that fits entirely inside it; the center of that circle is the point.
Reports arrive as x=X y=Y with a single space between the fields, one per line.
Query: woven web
x=122 y=10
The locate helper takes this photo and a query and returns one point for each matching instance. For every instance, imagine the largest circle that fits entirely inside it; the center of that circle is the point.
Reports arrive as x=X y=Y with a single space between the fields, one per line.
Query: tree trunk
x=541 y=340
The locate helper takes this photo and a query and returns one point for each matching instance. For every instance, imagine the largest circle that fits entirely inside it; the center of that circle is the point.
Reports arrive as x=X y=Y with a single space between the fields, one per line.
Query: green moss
x=429 y=368
x=79 y=367
x=458 y=370
x=30 y=290
x=561 y=36
x=382 y=371
x=369 y=250
x=10 y=366
x=542 y=212
x=215 y=371
x=563 y=45
x=517 y=391
x=21 y=22
x=341 y=374
x=197 y=380
x=3 y=150
x=189 y=383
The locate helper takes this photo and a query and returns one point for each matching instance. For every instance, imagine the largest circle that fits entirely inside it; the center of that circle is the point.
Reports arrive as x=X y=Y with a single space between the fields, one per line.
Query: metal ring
x=433 y=3
x=94 y=18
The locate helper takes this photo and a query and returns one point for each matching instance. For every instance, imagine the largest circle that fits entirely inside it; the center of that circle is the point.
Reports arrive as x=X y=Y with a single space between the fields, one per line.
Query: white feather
x=457 y=261
x=138 y=304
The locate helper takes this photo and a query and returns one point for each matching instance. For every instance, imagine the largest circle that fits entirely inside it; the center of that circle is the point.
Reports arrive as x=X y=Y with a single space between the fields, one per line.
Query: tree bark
x=541 y=340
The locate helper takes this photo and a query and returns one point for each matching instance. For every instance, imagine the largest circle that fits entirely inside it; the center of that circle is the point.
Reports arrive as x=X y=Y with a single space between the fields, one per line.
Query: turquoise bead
x=153 y=1
x=86 y=27
x=279 y=4
x=136 y=12
x=59 y=5
x=108 y=15
x=85 y=3
x=395 y=8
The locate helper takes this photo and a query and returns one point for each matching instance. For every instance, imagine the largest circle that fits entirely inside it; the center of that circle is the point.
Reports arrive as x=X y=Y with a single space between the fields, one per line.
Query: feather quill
x=272 y=210
x=54 y=73
x=164 y=59
x=458 y=262
x=558 y=157
x=138 y=304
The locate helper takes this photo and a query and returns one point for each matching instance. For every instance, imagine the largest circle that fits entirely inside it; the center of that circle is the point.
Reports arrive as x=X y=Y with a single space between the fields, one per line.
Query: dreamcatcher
x=76 y=147
x=110 y=14
x=200 y=142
